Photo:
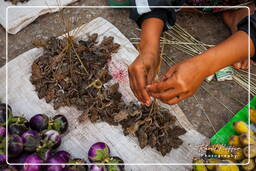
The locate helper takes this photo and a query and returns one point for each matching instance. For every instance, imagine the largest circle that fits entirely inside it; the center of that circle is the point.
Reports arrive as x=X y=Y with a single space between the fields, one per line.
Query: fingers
x=178 y=98
x=132 y=83
x=137 y=84
x=245 y=64
x=161 y=86
x=167 y=95
x=140 y=88
x=168 y=74
x=241 y=64
x=237 y=65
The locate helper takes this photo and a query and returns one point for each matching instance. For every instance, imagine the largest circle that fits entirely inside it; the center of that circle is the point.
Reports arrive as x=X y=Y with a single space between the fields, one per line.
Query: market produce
x=199 y=167
x=10 y=168
x=39 y=122
x=234 y=141
x=18 y=125
x=72 y=73
x=219 y=149
x=59 y=123
x=38 y=147
x=98 y=168
x=245 y=140
x=115 y=160
x=253 y=115
x=227 y=167
x=15 y=145
x=65 y=156
x=237 y=154
x=51 y=139
x=2 y=158
x=15 y=2
x=2 y=132
x=76 y=167
x=98 y=152
x=252 y=151
x=33 y=158
x=3 y=113
x=31 y=140
x=249 y=166
x=237 y=150
x=55 y=160
x=213 y=161
x=44 y=152
x=242 y=128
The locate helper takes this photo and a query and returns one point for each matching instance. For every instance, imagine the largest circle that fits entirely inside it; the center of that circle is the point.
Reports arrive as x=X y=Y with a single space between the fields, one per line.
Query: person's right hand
x=141 y=73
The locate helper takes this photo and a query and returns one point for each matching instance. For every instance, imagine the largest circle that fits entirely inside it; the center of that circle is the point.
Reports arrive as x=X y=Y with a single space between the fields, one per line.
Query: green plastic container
x=114 y=3
x=222 y=136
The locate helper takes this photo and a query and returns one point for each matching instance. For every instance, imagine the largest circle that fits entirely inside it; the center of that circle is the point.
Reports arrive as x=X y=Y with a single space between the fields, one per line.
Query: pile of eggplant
x=34 y=142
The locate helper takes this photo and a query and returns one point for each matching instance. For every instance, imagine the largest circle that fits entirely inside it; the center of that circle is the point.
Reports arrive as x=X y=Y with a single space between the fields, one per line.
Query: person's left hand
x=179 y=82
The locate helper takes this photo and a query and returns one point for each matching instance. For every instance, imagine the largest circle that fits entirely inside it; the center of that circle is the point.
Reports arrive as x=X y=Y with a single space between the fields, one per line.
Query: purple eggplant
x=10 y=168
x=31 y=140
x=18 y=129
x=20 y=159
x=64 y=155
x=39 y=122
x=55 y=160
x=18 y=125
x=51 y=139
x=45 y=153
x=98 y=152
x=3 y=113
x=59 y=123
x=98 y=168
x=18 y=120
x=15 y=145
x=2 y=159
x=115 y=160
x=76 y=167
x=31 y=163
x=2 y=132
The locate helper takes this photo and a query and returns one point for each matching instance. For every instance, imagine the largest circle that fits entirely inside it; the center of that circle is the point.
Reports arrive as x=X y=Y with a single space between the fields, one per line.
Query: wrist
x=204 y=65
x=151 y=58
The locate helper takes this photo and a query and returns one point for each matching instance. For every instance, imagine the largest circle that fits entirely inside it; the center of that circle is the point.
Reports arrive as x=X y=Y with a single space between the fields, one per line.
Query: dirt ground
x=219 y=100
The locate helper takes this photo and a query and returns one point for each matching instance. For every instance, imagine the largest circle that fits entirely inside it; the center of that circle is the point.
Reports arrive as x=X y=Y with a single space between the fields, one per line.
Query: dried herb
x=17 y=1
x=72 y=73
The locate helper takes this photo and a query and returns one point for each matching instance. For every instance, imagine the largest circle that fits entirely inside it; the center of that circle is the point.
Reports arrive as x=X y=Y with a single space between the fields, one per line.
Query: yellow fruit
x=227 y=167
x=252 y=151
x=212 y=160
x=242 y=128
x=249 y=166
x=237 y=154
x=244 y=139
x=220 y=150
x=234 y=141
x=199 y=167
x=253 y=115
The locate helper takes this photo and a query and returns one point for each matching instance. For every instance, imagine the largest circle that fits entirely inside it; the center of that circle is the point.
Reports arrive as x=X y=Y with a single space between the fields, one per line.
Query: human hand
x=179 y=82
x=141 y=73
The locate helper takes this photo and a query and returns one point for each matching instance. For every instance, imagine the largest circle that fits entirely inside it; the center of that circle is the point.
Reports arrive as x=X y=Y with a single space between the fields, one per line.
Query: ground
x=208 y=28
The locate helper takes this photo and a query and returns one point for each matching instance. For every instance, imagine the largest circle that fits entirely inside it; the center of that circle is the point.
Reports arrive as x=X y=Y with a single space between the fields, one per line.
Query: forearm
x=150 y=36
x=232 y=50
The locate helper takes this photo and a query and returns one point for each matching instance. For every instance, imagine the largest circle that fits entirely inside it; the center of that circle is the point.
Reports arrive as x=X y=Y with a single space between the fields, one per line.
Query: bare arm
x=143 y=70
x=183 y=79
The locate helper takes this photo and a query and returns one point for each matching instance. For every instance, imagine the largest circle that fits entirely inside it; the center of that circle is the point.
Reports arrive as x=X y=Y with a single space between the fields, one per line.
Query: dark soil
x=71 y=73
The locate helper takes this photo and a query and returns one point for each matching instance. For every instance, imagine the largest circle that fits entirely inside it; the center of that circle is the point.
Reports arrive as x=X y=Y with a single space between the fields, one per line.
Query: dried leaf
x=122 y=115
